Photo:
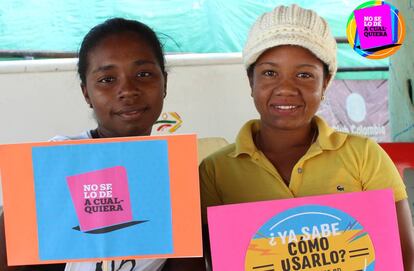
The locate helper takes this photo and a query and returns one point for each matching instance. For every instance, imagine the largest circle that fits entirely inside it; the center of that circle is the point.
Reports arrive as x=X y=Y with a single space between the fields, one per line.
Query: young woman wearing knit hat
x=290 y=58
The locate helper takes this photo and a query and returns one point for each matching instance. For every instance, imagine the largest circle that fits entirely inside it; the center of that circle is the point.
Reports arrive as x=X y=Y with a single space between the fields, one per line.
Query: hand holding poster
x=322 y=233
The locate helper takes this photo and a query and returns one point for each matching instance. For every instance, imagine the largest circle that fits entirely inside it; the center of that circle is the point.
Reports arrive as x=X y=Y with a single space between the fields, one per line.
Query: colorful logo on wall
x=170 y=122
x=311 y=237
x=375 y=29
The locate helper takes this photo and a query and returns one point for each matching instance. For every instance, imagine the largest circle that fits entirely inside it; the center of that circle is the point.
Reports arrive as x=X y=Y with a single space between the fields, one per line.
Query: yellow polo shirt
x=336 y=163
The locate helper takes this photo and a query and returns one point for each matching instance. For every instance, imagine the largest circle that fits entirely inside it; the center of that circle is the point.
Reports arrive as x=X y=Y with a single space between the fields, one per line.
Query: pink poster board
x=350 y=231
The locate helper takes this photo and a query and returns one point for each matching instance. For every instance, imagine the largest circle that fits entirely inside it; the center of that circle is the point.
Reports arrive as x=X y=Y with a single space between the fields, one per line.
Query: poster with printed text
x=358 y=107
x=321 y=233
x=101 y=199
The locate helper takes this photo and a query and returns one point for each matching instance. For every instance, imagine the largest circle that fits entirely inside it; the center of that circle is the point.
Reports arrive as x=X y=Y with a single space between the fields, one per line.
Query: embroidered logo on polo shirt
x=340 y=188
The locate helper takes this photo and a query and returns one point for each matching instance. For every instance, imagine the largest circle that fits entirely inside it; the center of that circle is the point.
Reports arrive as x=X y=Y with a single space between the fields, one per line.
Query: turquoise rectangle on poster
x=147 y=167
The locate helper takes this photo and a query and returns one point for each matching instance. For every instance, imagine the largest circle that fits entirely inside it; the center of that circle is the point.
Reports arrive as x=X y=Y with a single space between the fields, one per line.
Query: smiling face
x=124 y=85
x=287 y=85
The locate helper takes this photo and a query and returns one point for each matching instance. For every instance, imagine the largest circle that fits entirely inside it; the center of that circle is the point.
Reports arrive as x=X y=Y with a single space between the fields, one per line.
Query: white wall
x=42 y=98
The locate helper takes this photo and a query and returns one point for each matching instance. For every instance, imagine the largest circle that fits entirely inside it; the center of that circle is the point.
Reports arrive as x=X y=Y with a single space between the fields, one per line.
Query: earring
x=323 y=97
x=90 y=106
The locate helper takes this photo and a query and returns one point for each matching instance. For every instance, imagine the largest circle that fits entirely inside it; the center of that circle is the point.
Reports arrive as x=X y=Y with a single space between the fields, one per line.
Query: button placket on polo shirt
x=261 y=160
x=298 y=172
x=296 y=177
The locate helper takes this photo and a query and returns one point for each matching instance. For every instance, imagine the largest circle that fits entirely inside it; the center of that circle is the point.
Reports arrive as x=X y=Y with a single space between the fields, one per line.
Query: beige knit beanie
x=291 y=25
